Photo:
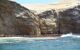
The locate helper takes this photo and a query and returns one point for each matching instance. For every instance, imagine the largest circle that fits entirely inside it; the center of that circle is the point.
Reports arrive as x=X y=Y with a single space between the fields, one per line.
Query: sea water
x=65 y=42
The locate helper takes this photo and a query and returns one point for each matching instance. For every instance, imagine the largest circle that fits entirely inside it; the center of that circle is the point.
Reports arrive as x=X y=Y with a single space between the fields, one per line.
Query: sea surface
x=65 y=42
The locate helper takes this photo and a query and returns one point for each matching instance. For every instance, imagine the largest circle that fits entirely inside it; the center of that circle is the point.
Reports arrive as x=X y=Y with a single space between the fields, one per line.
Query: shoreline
x=38 y=37
x=45 y=35
x=29 y=38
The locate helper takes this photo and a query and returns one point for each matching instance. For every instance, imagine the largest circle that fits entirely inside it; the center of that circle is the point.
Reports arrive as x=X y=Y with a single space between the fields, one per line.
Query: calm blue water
x=64 y=43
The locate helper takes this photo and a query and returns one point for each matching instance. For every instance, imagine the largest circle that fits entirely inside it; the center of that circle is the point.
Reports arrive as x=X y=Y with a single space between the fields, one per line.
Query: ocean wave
x=70 y=35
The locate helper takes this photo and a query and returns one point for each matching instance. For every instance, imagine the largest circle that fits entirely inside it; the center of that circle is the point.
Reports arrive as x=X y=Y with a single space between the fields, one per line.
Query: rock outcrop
x=48 y=22
x=27 y=23
x=69 y=20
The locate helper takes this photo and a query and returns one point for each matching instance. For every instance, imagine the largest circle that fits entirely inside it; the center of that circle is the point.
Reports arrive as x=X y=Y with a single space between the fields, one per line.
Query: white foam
x=66 y=35
x=19 y=39
x=70 y=35
x=34 y=38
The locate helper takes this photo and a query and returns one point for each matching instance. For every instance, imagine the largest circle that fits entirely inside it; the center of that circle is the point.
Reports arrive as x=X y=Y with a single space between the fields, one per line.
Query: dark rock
x=7 y=18
x=70 y=20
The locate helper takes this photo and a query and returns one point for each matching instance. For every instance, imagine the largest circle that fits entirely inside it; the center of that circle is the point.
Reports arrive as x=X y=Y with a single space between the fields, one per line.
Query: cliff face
x=69 y=20
x=18 y=20
x=26 y=21
x=7 y=18
x=48 y=22
x=61 y=22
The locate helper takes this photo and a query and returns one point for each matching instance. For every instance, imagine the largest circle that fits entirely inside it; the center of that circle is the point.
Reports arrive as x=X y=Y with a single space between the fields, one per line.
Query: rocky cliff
x=69 y=20
x=7 y=18
x=61 y=21
x=18 y=20
x=48 y=22
x=27 y=23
